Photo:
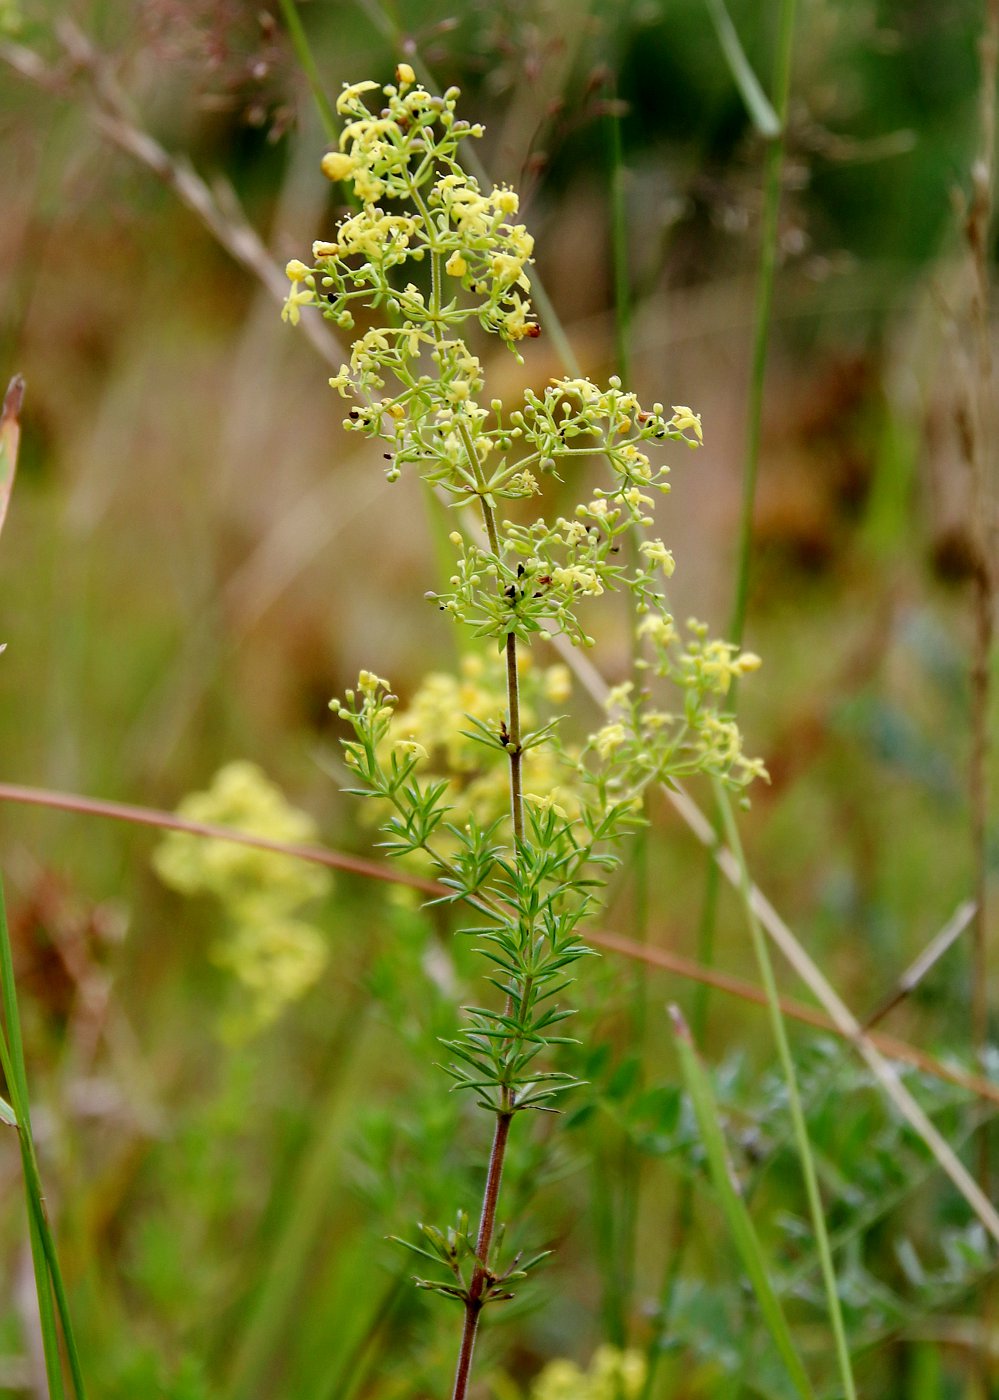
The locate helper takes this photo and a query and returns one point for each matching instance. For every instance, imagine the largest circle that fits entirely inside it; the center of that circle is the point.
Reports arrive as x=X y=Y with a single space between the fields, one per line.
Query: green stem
x=619 y=248
x=761 y=329
x=805 y=1155
x=487 y=1220
x=754 y=416
x=48 y=1275
x=513 y=748
x=307 y=63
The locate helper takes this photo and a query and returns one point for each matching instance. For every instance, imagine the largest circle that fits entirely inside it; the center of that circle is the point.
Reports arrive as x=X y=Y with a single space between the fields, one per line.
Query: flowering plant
x=436 y=255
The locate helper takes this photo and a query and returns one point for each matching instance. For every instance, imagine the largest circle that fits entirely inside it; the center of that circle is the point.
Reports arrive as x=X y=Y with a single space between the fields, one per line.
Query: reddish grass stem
x=168 y=821
x=657 y=957
x=475 y=1301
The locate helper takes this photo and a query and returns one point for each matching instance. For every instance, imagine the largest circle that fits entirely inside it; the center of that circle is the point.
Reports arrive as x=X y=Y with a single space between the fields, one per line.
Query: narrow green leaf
x=415 y=1249
x=7 y=1114
x=48 y=1275
x=736 y=1215
x=303 y=53
x=758 y=105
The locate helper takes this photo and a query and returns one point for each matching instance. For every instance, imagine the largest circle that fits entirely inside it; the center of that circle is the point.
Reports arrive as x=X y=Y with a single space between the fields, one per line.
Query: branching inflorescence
x=436 y=256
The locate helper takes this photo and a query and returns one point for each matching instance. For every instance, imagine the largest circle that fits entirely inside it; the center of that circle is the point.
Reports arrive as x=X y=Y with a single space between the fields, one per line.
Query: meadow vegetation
x=772 y=1167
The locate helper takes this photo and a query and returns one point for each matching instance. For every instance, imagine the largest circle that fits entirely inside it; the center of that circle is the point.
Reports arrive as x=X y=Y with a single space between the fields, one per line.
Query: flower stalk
x=525 y=857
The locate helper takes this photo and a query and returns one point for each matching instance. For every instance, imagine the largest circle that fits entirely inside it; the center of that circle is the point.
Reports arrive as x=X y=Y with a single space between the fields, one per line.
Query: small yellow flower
x=526 y=483
x=369 y=684
x=290 y=312
x=404 y=74
x=351 y=91
x=296 y=271
x=657 y=553
x=617 y=696
x=576 y=576
x=337 y=165
x=609 y=739
x=658 y=626
x=456 y=265
x=546 y=803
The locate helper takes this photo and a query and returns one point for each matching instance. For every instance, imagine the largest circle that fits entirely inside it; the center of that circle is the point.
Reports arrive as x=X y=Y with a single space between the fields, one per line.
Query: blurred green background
x=197 y=557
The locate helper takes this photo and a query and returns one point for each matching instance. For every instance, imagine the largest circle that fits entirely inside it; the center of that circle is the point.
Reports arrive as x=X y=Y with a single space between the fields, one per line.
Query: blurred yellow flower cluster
x=437 y=722
x=613 y=1375
x=272 y=952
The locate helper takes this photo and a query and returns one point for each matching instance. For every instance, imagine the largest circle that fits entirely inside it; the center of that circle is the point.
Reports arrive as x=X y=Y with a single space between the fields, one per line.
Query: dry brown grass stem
x=216 y=207
x=794 y=952
x=612 y=942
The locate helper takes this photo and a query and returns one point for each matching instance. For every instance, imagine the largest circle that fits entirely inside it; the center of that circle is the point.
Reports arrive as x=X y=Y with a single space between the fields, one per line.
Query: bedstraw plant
x=436 y=258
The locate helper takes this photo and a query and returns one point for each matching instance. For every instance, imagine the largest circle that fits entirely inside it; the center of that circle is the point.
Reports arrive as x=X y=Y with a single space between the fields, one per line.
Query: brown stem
x=490 y=1198
x=487 y=1223
x=655 y=956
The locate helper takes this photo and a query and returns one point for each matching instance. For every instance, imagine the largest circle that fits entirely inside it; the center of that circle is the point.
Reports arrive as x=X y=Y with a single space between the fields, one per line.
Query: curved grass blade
x=736 y=1215
x=758 y=105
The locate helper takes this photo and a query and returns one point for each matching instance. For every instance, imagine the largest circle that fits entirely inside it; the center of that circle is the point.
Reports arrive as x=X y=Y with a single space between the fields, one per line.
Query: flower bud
x=337 y=165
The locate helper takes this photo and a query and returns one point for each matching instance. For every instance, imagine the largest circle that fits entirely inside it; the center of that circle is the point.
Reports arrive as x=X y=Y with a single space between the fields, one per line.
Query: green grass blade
x=307 y=63
x=806 y=1157
x=7 y=1114
x=48 y=1275
x=762 y=317
x=46 y=1311
x=758 y=105
x=287 y=1262
x=737 y=1217
x=43 y=1289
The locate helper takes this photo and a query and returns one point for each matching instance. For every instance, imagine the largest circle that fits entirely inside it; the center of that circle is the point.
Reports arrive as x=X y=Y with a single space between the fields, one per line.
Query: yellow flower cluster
x=273 y=953
x=371 y=234
x=407 y=151
x=437 y=723
x=648 y=740
x=719 y=742
x=713 y=665
x=612 y=1375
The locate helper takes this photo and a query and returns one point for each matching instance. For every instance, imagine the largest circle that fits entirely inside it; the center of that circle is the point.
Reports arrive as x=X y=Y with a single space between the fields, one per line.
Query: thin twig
x=927 y=959
x=885 y=1073
x=614 y=943
x=219 y=211
x=806 y=1157
x=168 y=821
x=809 y=972
x=724 y=982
